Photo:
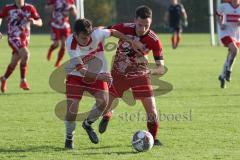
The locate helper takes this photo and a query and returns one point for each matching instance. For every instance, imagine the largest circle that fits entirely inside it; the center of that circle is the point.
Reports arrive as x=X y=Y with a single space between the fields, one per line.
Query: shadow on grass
x=28 y=93
x=211 y=95
x=106 y=150
x=78 y=151
x=109 y=153
x=32 y=149
x=102 y=147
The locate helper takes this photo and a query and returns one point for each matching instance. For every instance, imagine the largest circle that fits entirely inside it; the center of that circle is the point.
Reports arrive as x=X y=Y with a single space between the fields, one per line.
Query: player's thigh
x=119 y=85
x=74 y=87
x=65 y=33
x=15 y=59
x=72 y=109
x=55 y=43
x=102 y=98
x=17 y=43
x=141 y=87
x=233 y=47
x=63 y=41
x=99 y=90
x=24 y=54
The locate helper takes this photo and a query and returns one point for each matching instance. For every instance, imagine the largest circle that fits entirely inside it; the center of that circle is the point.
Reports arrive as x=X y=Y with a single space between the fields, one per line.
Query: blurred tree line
x=107 y=12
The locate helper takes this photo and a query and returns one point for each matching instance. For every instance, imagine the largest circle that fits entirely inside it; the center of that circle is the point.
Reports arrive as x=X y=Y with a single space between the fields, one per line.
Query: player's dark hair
x=143 y=12
x=82 y=25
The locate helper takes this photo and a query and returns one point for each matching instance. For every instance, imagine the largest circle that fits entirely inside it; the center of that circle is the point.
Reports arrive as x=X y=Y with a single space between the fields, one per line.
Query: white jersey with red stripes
x=231 y=17
x=91 y=56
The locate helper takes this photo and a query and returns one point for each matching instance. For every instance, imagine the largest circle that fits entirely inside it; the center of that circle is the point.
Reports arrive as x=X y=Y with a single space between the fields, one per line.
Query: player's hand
x=106 y=77
x=185 y=23
x=31 y=20
x=160 y=70
x=223 y=26
x=138 y=47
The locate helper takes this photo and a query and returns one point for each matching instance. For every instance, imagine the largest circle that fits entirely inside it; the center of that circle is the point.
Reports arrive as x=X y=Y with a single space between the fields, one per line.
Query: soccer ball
x=142 y=141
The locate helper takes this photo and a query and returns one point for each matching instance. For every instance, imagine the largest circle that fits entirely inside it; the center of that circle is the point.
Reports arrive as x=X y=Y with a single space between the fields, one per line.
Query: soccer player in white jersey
x=228 y=17
x=85 y=73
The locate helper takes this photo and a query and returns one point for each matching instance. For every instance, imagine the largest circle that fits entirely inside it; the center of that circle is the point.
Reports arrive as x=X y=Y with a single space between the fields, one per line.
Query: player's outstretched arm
x=73 y=10
x=185 y=17
x=136 y=45
x=221 y=23
x=106 y=77
x=37 y=22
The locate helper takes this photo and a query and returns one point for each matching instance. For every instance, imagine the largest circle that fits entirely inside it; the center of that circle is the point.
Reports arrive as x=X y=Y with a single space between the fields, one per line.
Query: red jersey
x=60 y=17
x=126 y=62
x=18 y=19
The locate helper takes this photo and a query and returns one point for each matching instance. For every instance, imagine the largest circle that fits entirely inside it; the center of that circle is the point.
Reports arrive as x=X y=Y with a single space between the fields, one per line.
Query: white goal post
x=211 y=22
x=80 y=8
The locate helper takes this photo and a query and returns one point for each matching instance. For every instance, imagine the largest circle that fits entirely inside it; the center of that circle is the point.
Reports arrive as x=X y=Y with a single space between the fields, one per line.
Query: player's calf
x=3 y=84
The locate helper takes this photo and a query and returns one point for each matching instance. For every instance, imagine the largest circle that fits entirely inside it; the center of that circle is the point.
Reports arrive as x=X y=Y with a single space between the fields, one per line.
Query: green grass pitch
x=208 y=127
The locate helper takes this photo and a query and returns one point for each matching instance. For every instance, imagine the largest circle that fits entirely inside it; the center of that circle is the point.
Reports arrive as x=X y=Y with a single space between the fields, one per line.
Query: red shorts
x=58 y=34
x=227 y=40
x=76 y=85
x=140 y=86
x=17 y=43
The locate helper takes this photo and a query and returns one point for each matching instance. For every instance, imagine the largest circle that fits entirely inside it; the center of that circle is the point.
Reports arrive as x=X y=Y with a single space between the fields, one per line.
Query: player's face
x=84 y=38
x=236 y=1
x=142 y=25
x=20 y=2
x=174 y=1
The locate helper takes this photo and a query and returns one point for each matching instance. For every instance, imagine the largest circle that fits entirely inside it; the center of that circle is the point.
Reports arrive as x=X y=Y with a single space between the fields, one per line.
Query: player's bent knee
x=55 y=44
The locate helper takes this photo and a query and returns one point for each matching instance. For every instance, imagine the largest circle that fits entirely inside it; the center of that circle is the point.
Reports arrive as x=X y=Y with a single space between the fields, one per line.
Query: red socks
x=175 y=40
x=153 y=128
x=108 y=115
x=23 y=70
x=60 y=55
x=52 y=47
x=8 y=72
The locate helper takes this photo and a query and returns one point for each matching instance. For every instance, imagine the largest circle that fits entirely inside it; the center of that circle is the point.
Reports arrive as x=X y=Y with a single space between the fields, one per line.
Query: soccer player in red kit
x=60 y=25
x=19 y=17
x=129 y=69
